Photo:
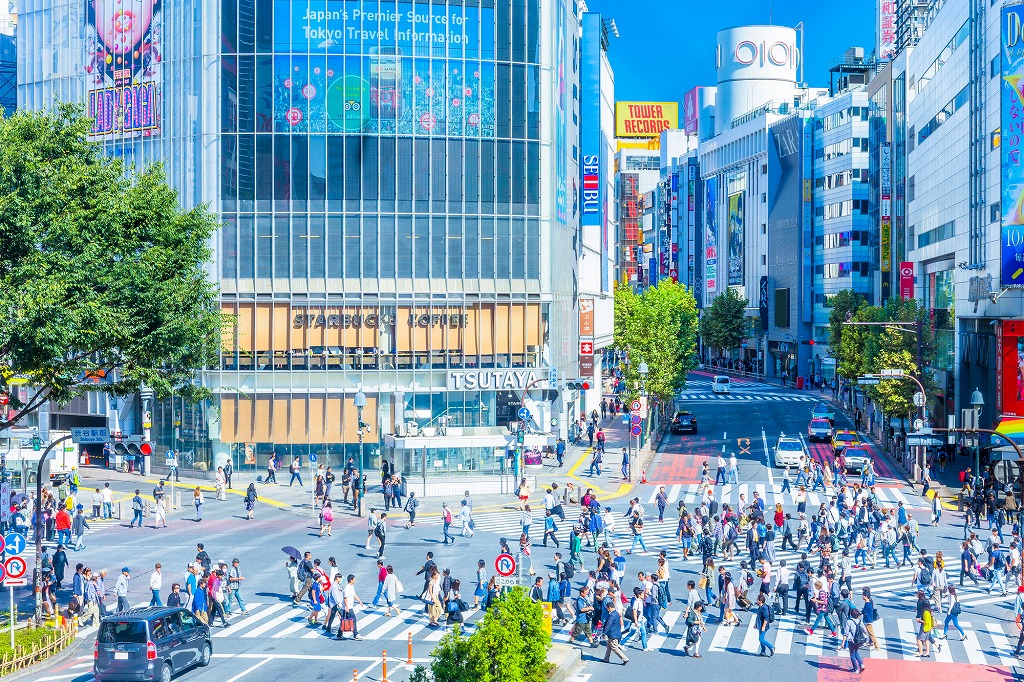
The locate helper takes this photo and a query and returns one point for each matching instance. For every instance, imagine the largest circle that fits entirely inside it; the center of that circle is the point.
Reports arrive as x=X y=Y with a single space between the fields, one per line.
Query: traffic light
x=577 y=385
x=37 y=443
x=520 y=437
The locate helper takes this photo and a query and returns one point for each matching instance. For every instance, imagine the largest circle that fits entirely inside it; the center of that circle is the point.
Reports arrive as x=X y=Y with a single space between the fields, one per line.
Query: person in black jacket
x=612 y=634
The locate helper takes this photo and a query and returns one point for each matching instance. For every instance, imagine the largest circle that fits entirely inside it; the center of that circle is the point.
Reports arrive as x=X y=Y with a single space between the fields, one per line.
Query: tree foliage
x=658 y=327
x=723 y=324
x=102 y=274
x=509 y=645
x=844 y=305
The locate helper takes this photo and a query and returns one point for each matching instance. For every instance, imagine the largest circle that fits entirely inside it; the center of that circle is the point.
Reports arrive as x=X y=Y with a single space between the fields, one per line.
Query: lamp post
x=642 y=370
x=977 y=402
x=360 y=402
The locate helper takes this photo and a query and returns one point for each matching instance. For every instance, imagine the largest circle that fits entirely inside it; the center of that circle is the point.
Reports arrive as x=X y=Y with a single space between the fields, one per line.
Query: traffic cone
x=643 y=476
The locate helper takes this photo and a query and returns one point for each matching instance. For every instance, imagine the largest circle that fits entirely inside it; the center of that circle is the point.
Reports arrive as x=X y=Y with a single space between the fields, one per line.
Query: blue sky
x=667 y=47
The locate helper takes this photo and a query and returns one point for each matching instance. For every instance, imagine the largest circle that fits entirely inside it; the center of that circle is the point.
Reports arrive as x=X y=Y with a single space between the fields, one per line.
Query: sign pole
x=11 y=619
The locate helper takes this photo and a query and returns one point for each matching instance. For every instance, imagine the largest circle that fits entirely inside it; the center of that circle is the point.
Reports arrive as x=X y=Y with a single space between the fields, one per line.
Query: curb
x=567 y=660
x=36 y=668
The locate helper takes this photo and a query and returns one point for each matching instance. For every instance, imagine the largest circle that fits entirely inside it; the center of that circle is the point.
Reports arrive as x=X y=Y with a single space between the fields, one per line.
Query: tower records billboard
x=645 y=119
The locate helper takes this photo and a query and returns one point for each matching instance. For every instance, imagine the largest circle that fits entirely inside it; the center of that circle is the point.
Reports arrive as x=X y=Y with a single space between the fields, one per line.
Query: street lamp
x=977 y=402
x=360 y=402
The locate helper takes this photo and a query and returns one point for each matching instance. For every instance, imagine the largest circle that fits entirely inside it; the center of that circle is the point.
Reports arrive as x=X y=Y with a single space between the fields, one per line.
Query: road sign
x=635 y=420
x=553 y=376
x=919 y=399
x=89 y=435
x=524 y=414
x=868 y=381
x=636 y=405
x=505 y=581
x=2 y=544
x=170 y=459
x=1006 y=471
x=15 y=543
x=312 y=457
x=918 y=424
x=15 y=566
x=5 y=502
x=505 y=564
x=891 y=373
x=3 y=574
x=15 y=582
x=636 y=429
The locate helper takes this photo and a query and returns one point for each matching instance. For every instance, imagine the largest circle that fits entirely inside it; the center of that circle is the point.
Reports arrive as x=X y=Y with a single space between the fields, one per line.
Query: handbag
x=702 y=584
x=452 y=606
x=398 y=586
x=347 y=625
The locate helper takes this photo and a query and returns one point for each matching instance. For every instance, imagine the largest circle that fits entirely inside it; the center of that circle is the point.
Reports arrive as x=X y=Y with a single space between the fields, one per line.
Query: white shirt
x=155 y=580
x=721 y=462
x=549 y=501
x=105 y=494
x=733 y=464
x=349 y=597
x=97 y=498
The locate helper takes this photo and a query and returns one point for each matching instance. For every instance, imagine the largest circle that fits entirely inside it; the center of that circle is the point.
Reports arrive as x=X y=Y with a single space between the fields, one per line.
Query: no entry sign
x=505 y=565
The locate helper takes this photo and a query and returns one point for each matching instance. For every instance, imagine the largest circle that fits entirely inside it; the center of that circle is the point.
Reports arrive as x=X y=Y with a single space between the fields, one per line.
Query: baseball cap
x=125 y=570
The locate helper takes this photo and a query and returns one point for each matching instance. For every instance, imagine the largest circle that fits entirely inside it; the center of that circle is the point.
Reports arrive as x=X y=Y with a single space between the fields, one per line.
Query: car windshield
x=820 y=424
x=789 y=445
x=821 y=409
x=123 y=632
x=848 y=437
x=853 y=452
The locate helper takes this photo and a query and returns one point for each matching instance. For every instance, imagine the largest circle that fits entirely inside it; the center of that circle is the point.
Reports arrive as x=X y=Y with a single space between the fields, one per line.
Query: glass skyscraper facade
x=396 y=182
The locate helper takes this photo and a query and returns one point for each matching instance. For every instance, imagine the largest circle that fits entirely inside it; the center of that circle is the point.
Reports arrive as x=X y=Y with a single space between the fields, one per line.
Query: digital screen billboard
x=122 y=66
x=1011 y=368
x=710 y=240
x=1011 y=271
x=348 y=66
x=735 y=220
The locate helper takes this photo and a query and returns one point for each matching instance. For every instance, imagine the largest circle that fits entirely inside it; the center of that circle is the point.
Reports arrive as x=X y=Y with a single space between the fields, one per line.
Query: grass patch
x=25 y=640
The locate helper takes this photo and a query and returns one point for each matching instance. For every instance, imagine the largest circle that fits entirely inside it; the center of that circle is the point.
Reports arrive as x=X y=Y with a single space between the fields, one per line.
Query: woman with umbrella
x=292 y=566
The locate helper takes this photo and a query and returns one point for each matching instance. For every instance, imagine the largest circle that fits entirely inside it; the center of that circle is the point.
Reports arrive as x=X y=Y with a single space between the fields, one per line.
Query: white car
x=720 y=384
x=789 y=452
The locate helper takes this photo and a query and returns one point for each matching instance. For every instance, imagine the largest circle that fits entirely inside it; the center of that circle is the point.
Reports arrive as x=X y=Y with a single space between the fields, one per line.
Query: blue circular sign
x=14 y=543
x=312 y=457
x=636 y=430
x=524 y=414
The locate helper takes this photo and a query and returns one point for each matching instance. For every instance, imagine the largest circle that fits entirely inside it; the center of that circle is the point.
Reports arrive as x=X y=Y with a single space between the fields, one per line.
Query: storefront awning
x=496 y=437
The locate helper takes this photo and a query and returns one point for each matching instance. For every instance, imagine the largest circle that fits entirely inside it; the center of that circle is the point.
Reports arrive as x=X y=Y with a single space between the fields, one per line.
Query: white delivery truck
x=22 y=459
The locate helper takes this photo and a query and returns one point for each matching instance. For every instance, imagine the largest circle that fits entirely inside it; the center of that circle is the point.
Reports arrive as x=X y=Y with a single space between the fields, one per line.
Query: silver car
x=789 y=452
x=855 y=459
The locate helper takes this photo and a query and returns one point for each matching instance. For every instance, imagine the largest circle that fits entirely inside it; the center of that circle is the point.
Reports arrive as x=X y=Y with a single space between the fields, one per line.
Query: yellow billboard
x=645 y=119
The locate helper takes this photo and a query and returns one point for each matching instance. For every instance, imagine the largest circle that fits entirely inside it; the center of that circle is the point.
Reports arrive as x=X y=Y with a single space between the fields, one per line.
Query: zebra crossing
x=772 y=494
x=987 y=642
x=95 y=526
x=748 y=397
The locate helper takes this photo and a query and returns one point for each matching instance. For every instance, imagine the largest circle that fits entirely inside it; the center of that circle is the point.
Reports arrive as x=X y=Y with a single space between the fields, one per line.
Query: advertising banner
x=1011 y=367
x=1011 y=271
x=885 y=29
x=645 y=119
x=123 y=68
x=906 y=280
x=710 y=240
x=352 y=68
x=885 y=208
x=691 y=112
x=735 y=226
x=587 y=316
x=762 y=302
x=590 y=121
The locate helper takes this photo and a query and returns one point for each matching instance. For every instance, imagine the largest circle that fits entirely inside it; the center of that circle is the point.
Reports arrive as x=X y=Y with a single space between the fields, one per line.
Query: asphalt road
x=274 y=641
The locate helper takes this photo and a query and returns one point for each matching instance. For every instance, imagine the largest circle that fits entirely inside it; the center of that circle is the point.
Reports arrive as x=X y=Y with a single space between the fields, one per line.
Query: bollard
x=409 y=662
x=355 y=675
x=384 y=663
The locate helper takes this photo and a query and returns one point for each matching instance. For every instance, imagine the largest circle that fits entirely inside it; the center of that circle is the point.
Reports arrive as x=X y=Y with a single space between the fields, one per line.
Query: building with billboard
x=398 y=186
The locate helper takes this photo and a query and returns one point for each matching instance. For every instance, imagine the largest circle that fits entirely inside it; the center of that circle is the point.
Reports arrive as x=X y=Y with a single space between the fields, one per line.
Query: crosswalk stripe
x=656 y=641
x=414 y=628
x=246 y=622
x=673 y=493
x=270 y=624
x=1000 y=644
x=879 y=627
x=815 y=644
x=908 y=633
x=943 y=653
x=284 y=632
x=750 y=644
x=784 y=636
x=973 y=647
x=721 y=638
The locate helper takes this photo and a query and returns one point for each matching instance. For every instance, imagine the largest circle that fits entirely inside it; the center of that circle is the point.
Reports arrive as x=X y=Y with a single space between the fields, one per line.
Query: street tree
x=102 y=273
x=723 y=324
x=659 y=328
x=844 y=305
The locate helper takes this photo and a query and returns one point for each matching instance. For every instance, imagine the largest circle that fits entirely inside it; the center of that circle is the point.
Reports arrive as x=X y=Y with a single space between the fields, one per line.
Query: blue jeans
x=155 y=600
x=828 y=621
x=233 y=592
x=720 y=475
x=998 y=578
x=734 y=475
x=765 y=644
x=640 y=628
x=199 y=511
x=890 y=551
x=447 y=533
x=955 y=620
x=137 y=517
x=855 y=658
x=595 y=465
x=108 y=510
x=640 y=539
x=295 y=477
x=785 y=485
x=380 y=591
x=64 y=537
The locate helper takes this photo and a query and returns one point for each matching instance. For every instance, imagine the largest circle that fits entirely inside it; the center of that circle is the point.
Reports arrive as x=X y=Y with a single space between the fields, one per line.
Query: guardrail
x=24 y=656
x=759 y=376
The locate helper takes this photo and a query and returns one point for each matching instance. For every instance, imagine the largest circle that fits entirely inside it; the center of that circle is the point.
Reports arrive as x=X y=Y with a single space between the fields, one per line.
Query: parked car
x=819 y=429
x=789 y=452
x=856 y=458
x=823 y=411
x=151 y=643
x=720 y=384
x=844 y=438
x=683 y=421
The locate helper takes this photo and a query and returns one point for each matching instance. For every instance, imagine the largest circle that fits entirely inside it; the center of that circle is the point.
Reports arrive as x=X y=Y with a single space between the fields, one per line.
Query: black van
x=151 y=643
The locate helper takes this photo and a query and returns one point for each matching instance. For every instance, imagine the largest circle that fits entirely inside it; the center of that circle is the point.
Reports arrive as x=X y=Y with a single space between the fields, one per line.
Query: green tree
x=844 y=305
x=894 y=396
x=452 y=659
x=101 y=272
x=723 y=324
x=658 y=327
x=510 y=644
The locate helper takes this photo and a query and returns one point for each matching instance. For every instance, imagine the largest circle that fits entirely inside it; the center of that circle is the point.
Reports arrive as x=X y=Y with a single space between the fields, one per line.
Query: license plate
x=120 y=656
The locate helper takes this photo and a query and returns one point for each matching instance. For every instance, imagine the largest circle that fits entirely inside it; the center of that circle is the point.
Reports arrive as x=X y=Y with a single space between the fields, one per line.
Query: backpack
x=999 y=560
x=301 y=573
x=860 y=637
x=379 y=530
x=569 y=570
x=768 y=614
x=925 y=578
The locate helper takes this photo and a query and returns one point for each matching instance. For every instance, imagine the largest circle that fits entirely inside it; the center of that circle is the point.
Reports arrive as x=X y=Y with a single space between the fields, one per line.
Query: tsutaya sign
x=477 y=379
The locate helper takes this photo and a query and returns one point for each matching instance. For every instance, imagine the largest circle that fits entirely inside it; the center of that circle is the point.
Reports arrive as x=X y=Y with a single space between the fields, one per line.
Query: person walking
x=271 y=471
x=392 y=590
x=382 y=574
x=108 y=502
x=869 y=614
x=295 y=469
x=121 y=589
x=662 y=501
x=584 y=618
x=381 y=533
x=137 y=507
x=326 y=518
x=411 y=504
x=221 y=481
x=955 y=609
x=78 y=526
x=446 y=520
x=765 y=617
x=227 y=473
x=466 y=518
x=155 y=583
x=612 y=634
x=695 y=629
x=335 y=599
x=371 y=526
x=855 y=636
x=250 y=502
x=550 y=528
x=197 y=500
x=235 y=579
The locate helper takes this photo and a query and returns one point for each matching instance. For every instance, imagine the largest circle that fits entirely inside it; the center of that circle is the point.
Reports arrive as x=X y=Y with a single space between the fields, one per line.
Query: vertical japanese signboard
x=1011 y=242
x=885 y=207
x=885 y=29
x=906 y=280
x=710 y=240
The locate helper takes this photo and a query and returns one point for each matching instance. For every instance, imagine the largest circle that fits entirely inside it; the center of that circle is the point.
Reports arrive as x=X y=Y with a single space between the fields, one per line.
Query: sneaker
x=357 y=637
x=810 y=631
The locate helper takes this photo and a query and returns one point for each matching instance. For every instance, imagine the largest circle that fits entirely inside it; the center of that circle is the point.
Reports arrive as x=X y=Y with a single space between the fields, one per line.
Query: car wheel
x=165 y=673
x=204 y=658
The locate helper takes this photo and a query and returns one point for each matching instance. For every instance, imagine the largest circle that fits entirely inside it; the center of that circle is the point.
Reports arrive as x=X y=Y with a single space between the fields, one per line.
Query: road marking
x=406 y=617
x=245 y=622
x=656 y=641
x=273 y=622
x=767 y=464
x=879 y=627
x=721 y=638
x=750 y=637
x=1001 y=645
x=249 y=670
x=815 y=644
x=907 y=634
x=784 y=637
x=973 y=647
x=297 y=625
